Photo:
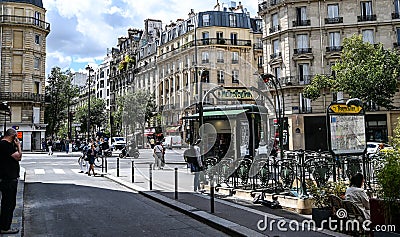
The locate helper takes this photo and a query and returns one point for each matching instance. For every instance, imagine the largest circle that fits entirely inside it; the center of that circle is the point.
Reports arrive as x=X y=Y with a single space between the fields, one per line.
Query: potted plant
x=320 y=196
x=387 y=205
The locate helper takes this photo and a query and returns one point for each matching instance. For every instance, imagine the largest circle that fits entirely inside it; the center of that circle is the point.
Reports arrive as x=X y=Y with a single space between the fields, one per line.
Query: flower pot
x=320 y=214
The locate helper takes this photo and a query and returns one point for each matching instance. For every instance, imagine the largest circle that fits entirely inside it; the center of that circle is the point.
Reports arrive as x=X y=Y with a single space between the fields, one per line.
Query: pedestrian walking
x=10 y=155
x=91 y=155
x=50 y=146
x=66 y=146
x=44 y=144
x=193 y=158
x=158 y=155
x=197 y=167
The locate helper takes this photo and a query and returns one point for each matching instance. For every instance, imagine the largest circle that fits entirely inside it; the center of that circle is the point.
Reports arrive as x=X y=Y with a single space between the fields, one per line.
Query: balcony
x=235 y=61
x=275 y=55
x=334 y=49
x=296 y=80
x=220 y=60
x=274 y=29
x=302 y=50
x=205 y=61
x=334 y=20
x=366 y=18
x=395 y=15
x=11 y=19
x=258 y=46
x=301 y=23
x=24 y=96
x=267 y=4
x=216 y=41
x=221 y=81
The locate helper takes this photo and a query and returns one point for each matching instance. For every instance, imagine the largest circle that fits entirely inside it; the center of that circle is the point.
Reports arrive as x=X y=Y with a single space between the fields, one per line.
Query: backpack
x=190 y=156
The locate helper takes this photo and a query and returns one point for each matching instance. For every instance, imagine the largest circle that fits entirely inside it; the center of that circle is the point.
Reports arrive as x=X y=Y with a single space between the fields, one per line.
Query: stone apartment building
x=304 y=38
x=222 y=47
x=23 y=32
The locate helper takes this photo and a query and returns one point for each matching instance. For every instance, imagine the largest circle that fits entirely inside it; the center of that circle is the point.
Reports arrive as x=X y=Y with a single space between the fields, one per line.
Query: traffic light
x=205 y=76
x=267 y=77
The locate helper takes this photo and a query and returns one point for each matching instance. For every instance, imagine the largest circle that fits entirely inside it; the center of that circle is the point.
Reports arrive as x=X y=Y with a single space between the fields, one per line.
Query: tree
x=365 y=71
x=60 y=91
x=320 y=83
x=98 y=114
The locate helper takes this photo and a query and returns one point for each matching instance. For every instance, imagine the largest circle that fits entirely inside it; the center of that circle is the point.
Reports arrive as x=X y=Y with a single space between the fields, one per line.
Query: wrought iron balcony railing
x=23 y=96
x=334 y=20
x=275 y=55
x=12 y=19
x=302 y=50
x=334 y=49
x=366 y=18
x=395 y=15
x=301 y=23
x=274 y=29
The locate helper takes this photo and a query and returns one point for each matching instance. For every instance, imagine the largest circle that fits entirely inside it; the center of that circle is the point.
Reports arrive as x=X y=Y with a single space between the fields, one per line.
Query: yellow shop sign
x=344 y=109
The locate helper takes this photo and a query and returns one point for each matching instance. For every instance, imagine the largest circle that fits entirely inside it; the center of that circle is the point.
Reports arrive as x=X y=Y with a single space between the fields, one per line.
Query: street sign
x=76 y=125
x=344 y=109
x=15 y=127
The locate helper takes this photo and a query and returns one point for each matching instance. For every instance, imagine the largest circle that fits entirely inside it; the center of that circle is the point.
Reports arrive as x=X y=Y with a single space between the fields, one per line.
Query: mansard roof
x=37 y=3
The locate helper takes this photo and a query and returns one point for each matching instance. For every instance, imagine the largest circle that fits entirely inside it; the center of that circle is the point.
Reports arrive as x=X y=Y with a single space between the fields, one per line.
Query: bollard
x=133 y=171
x=117 y=166
x=212 y=194
x=151 y=177
x=105 y=163
x=102 y=164
x=176 y=183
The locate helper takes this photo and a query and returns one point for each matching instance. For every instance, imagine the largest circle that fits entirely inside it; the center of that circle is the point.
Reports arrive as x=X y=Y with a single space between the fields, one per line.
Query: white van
x=117 y=143
x=172 y=142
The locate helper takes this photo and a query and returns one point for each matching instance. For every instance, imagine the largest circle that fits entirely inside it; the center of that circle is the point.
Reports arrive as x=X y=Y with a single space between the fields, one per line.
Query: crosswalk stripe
x=59 y=171
x=39 y=171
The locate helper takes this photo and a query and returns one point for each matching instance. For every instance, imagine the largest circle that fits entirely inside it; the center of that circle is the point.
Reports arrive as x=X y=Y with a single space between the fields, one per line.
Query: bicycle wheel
x=98 y=162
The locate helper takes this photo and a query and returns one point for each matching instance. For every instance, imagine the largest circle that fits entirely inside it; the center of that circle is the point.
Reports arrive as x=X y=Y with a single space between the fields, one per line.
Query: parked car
x=117 y=143
x=172 y=142
x=373 y=147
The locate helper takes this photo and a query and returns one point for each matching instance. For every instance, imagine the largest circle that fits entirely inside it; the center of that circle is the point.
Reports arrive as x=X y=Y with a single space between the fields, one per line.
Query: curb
x=216 y=222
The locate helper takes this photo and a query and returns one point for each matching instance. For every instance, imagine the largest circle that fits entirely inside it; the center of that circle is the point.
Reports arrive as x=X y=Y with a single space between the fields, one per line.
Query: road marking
x=59 y=171
x=39 y=171
x=75 y=170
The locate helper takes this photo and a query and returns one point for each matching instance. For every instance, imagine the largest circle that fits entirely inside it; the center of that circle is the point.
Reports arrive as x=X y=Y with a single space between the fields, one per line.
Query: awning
x=172 y=129
x=217 y=113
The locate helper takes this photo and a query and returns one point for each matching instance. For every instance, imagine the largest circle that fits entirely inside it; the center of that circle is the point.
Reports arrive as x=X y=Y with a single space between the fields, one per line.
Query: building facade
x=23 y=32
x=304 y=38
x=219 y=48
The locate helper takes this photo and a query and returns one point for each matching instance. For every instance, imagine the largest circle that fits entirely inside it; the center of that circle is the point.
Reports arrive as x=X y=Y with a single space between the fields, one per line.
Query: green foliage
x=98 y=114
x=367 y=72
x=126 y=63
x=396 y=137
x=319 y=83
x=320 y=195
x=60 y=91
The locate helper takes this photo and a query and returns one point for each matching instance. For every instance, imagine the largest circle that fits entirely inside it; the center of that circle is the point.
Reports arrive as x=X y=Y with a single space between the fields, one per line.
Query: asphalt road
x=59 y=201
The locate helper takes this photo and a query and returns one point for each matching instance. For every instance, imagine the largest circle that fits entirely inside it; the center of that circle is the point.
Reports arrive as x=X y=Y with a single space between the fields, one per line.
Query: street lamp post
x=90 y=70
x=269 y=78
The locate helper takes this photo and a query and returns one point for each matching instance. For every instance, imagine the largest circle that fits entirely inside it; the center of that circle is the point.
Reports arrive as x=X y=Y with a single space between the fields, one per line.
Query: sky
x=82 y=30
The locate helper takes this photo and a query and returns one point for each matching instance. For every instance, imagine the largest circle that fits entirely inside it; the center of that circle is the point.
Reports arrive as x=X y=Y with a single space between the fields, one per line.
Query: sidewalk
x=234 y=217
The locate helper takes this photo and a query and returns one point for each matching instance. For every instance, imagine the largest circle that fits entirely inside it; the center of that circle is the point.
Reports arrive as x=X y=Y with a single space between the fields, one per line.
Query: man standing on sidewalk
x=10 y=155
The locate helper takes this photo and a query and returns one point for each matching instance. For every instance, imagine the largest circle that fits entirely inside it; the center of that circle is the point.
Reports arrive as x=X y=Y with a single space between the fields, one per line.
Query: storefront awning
x=217 y=114
x=172 y=129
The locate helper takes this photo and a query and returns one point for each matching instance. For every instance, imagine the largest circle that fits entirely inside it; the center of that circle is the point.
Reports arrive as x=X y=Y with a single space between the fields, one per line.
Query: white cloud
x=82 y=30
